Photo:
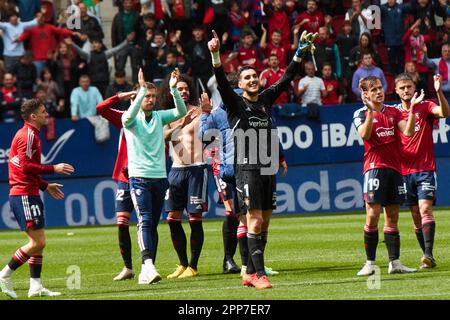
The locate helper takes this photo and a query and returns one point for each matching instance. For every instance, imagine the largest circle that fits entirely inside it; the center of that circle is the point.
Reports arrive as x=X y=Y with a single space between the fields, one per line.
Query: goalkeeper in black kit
x=256 y=149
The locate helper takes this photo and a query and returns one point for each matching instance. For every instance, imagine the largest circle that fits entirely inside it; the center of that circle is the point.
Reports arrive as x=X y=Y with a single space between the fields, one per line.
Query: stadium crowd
x=43 y=55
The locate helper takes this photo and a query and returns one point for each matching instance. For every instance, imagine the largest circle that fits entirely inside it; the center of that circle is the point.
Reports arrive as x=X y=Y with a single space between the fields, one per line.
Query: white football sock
x=35 y=283
x=6 y=272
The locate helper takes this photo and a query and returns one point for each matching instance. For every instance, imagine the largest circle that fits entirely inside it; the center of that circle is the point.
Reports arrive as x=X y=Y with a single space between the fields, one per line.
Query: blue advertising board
x=324 y=159
x=306 y=189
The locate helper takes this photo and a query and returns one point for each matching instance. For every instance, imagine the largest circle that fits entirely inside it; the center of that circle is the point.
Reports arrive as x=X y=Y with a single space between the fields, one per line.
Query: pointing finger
x=215 y=35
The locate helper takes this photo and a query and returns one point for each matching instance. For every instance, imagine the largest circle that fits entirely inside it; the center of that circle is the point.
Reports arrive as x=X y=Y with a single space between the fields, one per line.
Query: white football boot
x=125 y=274
x=396 y=266
x=149 y=275
x=368 y=269
x=6 y=286
x=42 y=292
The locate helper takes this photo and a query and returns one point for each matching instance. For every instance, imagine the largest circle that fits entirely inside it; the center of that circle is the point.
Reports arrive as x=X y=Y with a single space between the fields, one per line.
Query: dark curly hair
x=166 y=99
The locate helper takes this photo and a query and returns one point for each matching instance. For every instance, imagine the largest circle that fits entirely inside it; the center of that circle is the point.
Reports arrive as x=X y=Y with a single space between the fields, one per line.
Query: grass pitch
x=317 y=257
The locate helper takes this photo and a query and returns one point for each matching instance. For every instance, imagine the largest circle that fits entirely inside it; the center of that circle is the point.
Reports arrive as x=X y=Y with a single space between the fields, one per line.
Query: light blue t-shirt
x=11 y=33
x=83 y=103
x=145 y=140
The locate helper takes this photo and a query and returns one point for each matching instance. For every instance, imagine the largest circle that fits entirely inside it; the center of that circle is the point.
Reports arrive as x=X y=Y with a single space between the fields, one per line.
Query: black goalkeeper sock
x=264 y=236
x=243 y=244
x=255 y=246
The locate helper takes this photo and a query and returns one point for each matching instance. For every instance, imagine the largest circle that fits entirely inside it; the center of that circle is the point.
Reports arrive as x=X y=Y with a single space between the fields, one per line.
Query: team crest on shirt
x=417 y=114
x=391 y=119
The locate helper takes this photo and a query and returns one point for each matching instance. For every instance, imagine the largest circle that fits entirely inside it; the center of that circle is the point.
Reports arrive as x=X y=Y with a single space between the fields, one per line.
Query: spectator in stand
x=93 y=7
x=256 y=13
x=442 y=37
x=428 y=9
x=441 y=66
x=333 y=93
x=327 y=52
x=276 y=47
x=26 y=75
x=238 y=21
x=198 y=57
x=56 y=110
x=171 y=64
x=346 y=42
x=365 y=45
x=410 y=69
x=217 y=12
x=271 y=75
x=415 y=44
x=10 y=100
x=89 y=27
x=366 y=69
x=154 y=53
x=50 y=86
x=248 y=54
x=392 y=20
x=146 y=24
x=97 y=60
x=119 y=85
x=83 y=99
x=278 y=19
x=312 y=19
x=125 y=22
x=310 y=87
x=13 y=50
x=65 y=71
x=28 y=9
x=6 y=7
x=43 y=40
x=358 y=16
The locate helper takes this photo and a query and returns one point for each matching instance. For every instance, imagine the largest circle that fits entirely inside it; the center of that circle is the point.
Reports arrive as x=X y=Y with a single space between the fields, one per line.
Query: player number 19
x=374 y=184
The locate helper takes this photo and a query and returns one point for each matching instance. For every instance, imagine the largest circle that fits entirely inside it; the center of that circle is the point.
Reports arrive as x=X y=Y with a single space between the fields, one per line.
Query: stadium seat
x=390 y=78
x=382 y=51
x=337 y=23
x=408 y=20
x=347 y=4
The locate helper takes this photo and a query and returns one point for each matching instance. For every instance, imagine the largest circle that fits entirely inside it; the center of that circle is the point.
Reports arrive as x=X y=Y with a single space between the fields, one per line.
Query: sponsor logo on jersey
x=384 y=132
x=256 y=122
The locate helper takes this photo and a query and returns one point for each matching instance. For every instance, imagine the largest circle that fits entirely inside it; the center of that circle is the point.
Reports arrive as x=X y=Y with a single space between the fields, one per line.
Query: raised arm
x=363 y=120
x=407 y=127
x=442 y=110
x=229 y=97
x=180 y=110
x=305 y=45
x=263 y=41
x=129 y=116
x=86 y=55
x=207 y=119
x=111 y=52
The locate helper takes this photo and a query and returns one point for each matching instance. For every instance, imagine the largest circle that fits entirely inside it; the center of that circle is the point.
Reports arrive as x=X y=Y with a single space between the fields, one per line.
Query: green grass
x=317 y=257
